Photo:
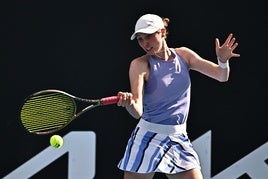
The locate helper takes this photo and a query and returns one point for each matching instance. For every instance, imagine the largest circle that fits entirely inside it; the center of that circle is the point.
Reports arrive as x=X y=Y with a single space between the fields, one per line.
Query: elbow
x=136 y=116
x=222 y=81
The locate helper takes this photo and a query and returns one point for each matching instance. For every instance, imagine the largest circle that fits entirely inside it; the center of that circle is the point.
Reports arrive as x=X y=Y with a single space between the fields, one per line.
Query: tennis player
x=160 y=99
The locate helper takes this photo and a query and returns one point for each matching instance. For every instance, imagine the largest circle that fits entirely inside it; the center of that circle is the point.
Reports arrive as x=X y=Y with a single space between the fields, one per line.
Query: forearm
x=135 y=110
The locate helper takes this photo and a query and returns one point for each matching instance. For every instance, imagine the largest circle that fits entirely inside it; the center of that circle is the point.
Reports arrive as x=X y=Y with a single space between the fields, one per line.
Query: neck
x=164 y=54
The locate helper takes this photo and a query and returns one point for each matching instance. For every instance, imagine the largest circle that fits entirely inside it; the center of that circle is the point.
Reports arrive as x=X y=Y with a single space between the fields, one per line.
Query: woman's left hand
x=225 y=51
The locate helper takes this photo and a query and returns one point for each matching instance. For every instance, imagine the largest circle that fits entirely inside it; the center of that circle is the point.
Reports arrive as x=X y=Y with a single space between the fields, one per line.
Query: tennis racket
x=50 y=110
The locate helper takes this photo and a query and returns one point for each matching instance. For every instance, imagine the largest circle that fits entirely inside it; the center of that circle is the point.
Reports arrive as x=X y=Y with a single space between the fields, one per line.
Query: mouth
x=149 y=49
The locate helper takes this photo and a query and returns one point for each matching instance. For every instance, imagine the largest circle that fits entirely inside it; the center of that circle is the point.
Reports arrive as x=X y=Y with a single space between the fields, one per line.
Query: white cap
x=148 y=24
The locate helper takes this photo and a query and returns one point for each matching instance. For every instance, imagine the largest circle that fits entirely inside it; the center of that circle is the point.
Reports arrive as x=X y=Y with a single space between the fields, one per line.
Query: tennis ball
x=56 y=141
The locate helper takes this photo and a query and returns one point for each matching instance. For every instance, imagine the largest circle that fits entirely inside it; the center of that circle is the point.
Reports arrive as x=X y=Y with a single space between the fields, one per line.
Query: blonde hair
x=166 y=23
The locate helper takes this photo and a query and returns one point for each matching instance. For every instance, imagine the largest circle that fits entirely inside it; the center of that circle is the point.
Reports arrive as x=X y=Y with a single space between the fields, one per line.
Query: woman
x=160 y=99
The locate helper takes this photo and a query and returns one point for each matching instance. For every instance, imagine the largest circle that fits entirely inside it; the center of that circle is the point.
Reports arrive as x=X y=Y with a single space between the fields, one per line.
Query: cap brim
x=145 y=31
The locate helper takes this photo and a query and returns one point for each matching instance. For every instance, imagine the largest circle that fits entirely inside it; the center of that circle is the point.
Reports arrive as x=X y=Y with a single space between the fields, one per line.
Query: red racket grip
x=110 y=100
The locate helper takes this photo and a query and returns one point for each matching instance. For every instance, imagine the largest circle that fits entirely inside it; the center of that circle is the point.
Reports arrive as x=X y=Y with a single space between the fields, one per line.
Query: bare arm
x=133 y=101
x=213 y=70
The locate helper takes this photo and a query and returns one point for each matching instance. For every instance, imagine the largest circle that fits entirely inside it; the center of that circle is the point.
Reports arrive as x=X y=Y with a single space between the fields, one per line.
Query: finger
x=120 y=94
x=231 y=42
x=228 y=39
x=119 y=103
x=125 y=96
x=236 y=55
x=234 y=46
x=217 y=43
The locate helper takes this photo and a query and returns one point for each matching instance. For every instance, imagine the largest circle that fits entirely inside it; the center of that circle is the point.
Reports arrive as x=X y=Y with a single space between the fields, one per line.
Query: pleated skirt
x=159 y=148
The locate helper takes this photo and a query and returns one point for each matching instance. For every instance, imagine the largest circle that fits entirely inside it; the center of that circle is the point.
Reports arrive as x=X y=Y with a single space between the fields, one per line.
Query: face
x=151 y=43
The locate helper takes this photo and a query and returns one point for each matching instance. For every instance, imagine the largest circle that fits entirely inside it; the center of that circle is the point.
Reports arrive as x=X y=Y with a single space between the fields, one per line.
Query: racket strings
x=47 y=112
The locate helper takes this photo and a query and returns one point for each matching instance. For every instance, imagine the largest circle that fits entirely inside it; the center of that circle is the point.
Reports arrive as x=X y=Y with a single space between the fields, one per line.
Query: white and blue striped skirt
x=159 y=148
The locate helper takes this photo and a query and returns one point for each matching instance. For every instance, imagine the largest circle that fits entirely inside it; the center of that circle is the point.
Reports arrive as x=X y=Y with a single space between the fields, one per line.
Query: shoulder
x=184 y=51
x=139 y=62
x=187 y=54
x=139 y=67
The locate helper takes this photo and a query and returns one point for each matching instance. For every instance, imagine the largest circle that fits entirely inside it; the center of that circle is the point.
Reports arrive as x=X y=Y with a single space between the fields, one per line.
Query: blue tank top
x=167 y=91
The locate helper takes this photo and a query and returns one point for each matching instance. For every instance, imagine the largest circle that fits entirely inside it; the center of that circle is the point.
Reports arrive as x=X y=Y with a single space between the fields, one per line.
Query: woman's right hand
x=125 y=99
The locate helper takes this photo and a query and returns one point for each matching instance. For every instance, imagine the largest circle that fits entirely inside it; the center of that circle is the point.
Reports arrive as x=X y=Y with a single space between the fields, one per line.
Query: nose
x=145 y=43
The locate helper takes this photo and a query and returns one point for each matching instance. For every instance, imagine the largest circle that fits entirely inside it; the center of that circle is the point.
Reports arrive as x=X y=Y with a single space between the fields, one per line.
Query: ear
x=164 y=32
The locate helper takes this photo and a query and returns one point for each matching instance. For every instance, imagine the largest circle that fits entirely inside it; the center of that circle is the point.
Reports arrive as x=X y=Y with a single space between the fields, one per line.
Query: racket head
x=47 y=111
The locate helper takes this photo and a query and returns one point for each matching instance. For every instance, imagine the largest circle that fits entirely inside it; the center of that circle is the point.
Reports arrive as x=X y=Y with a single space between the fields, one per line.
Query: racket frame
x=93 y=103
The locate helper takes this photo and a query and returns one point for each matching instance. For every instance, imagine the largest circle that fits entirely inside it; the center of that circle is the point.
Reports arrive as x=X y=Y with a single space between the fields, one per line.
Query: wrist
x=223 y=65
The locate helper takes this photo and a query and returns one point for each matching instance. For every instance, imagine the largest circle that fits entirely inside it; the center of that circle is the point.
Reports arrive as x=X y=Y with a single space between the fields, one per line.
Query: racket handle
x=110 y=100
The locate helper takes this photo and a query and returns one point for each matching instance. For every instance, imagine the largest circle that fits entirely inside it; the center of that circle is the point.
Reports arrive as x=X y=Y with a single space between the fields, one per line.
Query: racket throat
x=87 y=109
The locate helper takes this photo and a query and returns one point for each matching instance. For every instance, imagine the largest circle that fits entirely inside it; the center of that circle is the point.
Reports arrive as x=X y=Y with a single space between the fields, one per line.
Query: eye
x=139 y=39
x=148 y=36
x=142 y=37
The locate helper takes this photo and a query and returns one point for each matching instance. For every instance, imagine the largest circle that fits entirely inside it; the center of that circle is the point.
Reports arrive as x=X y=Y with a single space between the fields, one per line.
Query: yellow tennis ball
x=56 y=141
